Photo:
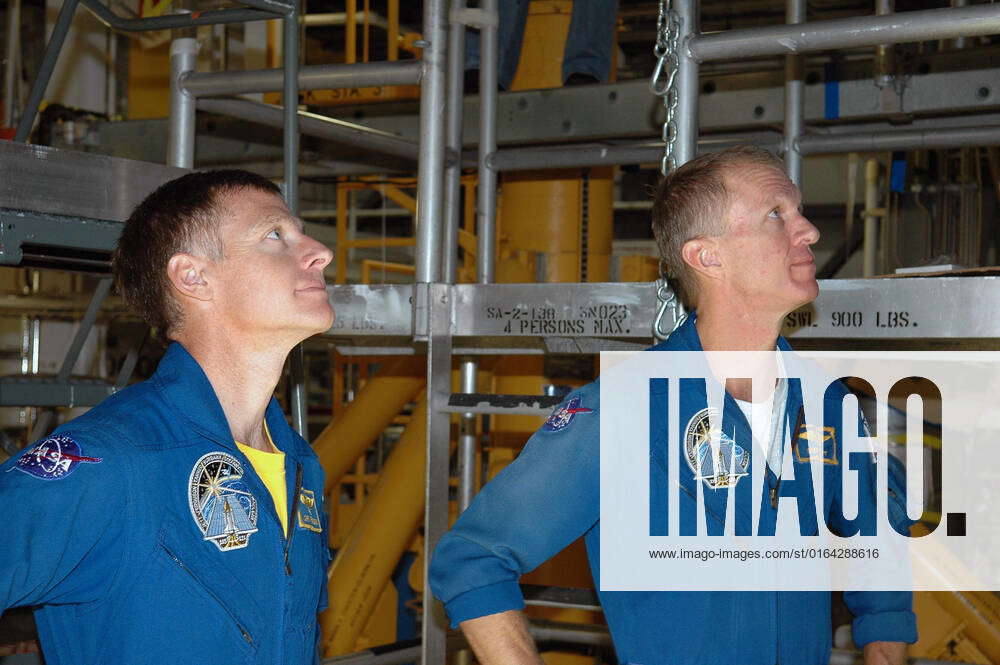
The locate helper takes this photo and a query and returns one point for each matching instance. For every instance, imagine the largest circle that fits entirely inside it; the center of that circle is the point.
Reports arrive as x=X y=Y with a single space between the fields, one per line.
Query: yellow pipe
x=351 y=34
x=387 y=266
x=399 y=197
x=378 y=538
x=393 y=35
x=342 y=441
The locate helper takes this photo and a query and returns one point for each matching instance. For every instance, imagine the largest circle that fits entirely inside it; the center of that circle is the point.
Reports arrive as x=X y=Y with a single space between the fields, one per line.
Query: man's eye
x=274 y=233
x=776 y=213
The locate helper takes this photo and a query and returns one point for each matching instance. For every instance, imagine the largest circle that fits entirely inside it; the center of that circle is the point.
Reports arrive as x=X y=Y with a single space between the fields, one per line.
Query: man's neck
x=243 y=376
x=732 y=327
x=735 y=328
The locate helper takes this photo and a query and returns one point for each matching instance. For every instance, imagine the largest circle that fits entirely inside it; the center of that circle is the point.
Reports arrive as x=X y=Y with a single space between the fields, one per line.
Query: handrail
x=853 y=32
x=313 y=77
x=173 y=21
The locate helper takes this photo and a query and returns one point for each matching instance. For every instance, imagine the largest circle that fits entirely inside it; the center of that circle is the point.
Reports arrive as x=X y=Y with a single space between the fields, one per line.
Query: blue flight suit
x=142 y=535
x=549 y=496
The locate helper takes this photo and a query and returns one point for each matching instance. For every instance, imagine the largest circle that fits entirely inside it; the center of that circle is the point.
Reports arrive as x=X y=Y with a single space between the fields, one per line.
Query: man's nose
x=317 y=255
x=807 y=233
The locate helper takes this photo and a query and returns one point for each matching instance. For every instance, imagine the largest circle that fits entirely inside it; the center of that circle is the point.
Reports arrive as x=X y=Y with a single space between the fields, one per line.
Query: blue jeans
x=588 y=45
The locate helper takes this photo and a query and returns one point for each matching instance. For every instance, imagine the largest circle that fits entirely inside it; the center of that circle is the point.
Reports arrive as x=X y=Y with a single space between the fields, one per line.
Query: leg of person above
x=587 y=56
x=510 y=36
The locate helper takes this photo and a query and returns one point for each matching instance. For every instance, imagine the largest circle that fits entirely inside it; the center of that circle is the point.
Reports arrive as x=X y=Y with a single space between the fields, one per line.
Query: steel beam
x=44 y=232
x=52 y=50
x=686 y=114
x=181 y=137
x=83 y=331
x=290 y=103
x=627 y=110
x=900 y=139
x=486 y=199
x=436 y=487
x=571 y=156
x=844 y=33
x=313 y=77
x=795 y=12
x=902 y=308
x=430 y=172
x=467 y=439
x=11 y=57
x=312 y=124
x=75 y=184
x=453 y=143
x=50 y=392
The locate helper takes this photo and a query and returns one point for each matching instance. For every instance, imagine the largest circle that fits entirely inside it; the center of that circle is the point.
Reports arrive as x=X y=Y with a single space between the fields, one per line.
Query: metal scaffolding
x=436 y=316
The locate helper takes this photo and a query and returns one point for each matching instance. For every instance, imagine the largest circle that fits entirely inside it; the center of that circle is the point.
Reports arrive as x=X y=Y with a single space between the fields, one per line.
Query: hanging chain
x=663 y=81
x=663 y=84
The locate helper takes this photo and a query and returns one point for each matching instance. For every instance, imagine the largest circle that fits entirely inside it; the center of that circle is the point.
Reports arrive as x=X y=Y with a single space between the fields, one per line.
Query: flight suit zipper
x=773 y=493
x=291 y=517
x=243 y=631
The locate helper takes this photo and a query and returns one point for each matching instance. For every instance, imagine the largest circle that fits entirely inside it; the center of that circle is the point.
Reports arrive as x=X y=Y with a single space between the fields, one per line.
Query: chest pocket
x=202 y=604
x=309 y=559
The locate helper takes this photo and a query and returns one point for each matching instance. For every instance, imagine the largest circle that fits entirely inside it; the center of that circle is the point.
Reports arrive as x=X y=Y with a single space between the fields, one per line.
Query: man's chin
x=316 y=324
x=325 y=324
x=808 y=292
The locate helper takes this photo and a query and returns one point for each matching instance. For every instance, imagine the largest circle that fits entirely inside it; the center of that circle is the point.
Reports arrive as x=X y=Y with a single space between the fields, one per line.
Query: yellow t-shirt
x=271 y=469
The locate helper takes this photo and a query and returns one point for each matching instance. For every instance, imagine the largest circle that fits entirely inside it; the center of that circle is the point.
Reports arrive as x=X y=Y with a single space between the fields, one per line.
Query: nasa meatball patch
x=564 y=416
x=54 y=458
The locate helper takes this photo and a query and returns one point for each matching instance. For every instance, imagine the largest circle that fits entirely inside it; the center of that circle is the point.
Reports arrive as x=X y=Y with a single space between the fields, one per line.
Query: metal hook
x=656 y=86
x=668 y=299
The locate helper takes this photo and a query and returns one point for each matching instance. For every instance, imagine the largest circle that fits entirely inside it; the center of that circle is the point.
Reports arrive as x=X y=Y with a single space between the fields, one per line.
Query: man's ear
x=702 y=256
x=187 y=275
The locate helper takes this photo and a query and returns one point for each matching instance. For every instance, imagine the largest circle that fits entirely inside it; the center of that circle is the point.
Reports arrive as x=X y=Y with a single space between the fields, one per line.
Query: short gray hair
x=691 y=202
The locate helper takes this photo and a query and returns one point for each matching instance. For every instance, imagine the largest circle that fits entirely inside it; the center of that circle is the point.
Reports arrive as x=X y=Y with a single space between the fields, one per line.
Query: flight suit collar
x=184 y=385
x=686 y=338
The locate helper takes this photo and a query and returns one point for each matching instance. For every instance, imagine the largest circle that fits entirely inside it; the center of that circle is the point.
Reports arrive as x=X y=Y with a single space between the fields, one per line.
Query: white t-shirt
x=772 y=449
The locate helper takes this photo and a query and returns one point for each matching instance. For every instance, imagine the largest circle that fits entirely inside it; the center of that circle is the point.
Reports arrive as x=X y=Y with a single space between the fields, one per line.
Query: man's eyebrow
x=275 y=219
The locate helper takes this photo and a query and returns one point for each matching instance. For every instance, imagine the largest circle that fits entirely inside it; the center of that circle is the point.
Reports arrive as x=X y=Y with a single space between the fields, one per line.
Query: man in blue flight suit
x=180 y=520
x=731 y=233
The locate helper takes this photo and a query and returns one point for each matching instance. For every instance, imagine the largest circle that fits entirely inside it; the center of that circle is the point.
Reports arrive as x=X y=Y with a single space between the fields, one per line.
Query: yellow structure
x=348 y=435
x=377 y=540
x=554 y=226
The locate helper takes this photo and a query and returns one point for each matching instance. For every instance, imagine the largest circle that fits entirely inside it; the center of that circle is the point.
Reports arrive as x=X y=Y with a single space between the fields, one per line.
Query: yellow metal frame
x=394 y=191
x=390 y=191
x=377 y=540
x=395 y=41
x=386 y=267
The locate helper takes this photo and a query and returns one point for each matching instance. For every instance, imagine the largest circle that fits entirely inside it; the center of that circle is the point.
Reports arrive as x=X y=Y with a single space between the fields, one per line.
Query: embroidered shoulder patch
x=564 y=416
x=308 y=514
x=54 y=458
x=221 y=503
